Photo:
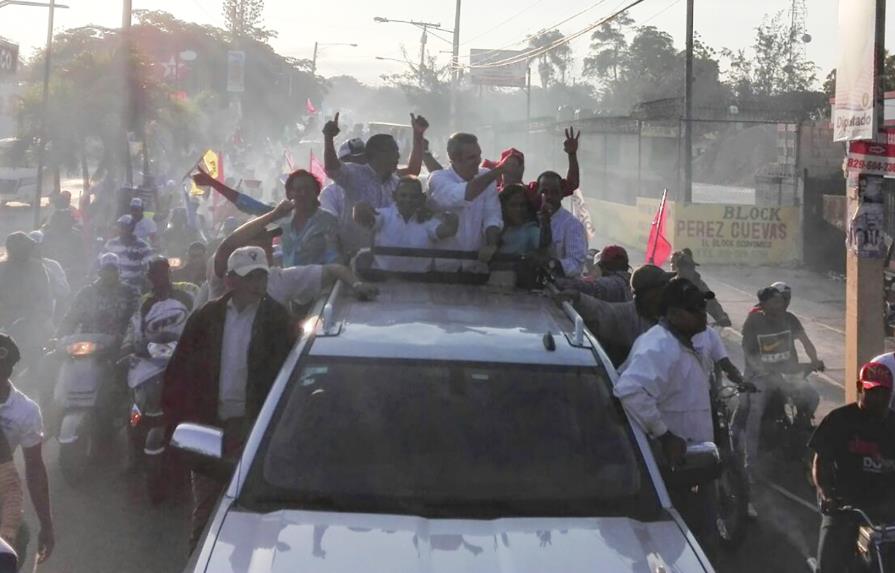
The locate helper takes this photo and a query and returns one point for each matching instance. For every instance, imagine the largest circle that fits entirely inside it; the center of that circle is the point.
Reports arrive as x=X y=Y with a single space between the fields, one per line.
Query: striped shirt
x=133 y=260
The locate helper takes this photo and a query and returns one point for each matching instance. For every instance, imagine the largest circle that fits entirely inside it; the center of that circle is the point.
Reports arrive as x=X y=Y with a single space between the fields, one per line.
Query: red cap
x=504 y=155
x=875 y=375
x=614 y=254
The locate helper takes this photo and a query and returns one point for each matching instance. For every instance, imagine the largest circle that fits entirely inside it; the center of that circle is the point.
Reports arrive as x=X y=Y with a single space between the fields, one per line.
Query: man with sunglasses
x=664 y=387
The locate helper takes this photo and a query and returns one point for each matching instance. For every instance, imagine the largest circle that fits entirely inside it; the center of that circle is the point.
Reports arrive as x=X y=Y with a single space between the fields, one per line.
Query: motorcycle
x=874 y=547
x=786 y=429
x=160 y=328
x=732 y=486
x=84 y=401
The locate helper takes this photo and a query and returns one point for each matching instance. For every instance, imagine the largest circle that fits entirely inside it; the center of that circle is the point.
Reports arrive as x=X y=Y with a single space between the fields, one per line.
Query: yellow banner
x=211 y=164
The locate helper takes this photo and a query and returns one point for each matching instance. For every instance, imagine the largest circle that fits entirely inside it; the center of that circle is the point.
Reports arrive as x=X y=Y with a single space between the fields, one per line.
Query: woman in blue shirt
x=311 y=236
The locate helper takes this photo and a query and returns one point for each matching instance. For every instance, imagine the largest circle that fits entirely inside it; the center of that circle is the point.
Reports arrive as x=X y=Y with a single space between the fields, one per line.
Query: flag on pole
x=309 y=107
x=317 y=170
x=658 y=249
x=289 y=161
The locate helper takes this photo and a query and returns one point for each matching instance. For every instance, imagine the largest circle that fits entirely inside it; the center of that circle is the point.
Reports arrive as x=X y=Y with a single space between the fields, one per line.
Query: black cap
x=9 y=351
x=767 y=293
x=648 y=277
x=681 y=293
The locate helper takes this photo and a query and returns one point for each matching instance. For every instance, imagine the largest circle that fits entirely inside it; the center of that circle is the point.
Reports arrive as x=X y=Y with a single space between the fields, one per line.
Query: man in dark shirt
x=854 y=464
x=769 y=336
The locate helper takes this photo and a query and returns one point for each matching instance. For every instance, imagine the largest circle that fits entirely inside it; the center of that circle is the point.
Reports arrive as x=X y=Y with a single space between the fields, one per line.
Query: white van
x=442 y=427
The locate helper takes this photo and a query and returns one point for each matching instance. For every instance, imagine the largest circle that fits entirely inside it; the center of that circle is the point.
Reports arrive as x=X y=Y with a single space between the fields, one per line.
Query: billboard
x=9 y=58
x=854 y=113
x=485 y=68
x=236 y=71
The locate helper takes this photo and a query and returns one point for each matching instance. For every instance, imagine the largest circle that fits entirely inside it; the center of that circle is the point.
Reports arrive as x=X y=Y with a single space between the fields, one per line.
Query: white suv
x=443 y=428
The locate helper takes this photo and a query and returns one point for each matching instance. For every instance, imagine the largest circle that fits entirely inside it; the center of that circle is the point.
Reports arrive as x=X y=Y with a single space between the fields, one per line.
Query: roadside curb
x=733 y=335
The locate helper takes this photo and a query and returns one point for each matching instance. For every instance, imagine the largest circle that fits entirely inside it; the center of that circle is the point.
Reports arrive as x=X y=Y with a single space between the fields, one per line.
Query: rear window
x=448 y=439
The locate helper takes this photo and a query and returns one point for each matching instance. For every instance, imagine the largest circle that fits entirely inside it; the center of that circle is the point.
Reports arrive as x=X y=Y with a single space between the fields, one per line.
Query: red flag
x=310 y=107
x=317 y=170
x=658 y=249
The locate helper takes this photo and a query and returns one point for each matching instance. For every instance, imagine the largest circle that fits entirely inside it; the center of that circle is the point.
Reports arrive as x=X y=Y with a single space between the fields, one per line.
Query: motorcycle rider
x=22 y=425
x=103 y=306
x=854 y=464
x=59 y=287
x=769 y=336
x=159 y=276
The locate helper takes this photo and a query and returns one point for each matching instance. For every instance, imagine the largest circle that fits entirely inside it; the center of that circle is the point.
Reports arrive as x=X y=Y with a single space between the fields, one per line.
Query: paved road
x=108 y=525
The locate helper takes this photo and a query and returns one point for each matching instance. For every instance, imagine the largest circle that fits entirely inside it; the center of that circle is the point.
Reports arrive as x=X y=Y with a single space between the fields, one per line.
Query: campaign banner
x=855 y=114
x=487 y=68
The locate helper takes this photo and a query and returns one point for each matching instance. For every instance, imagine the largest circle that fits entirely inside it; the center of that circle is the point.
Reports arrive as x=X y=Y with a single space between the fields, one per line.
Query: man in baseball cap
x=611 y=278
x=144 y=228
x=854 y=464
x=353 y=151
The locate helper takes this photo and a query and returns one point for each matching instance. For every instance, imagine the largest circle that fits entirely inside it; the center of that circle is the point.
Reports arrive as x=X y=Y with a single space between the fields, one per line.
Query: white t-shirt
x=391 y=230
x=21 y=420
x=145 y=228
x=234 y=360
x=301 y=284
x=709 y=343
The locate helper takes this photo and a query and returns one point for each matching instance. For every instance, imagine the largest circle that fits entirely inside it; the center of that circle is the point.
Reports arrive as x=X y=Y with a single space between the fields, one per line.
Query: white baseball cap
x=352 y=148
x=107 y=260
x=244 y=260
x=136 y=202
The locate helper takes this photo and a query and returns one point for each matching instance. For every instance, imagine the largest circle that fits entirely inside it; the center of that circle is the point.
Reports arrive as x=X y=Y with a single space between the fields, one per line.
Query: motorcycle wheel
x=75 y=458
x=731 y=499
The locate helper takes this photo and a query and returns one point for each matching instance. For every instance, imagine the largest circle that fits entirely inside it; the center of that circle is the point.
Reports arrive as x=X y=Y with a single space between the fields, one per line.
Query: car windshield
x=449 y=439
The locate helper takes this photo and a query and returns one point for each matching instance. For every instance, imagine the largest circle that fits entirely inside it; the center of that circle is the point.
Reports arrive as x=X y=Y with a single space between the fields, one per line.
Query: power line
x=536 y=52
x=547 y=29
x=660 y=12
x=507 y=21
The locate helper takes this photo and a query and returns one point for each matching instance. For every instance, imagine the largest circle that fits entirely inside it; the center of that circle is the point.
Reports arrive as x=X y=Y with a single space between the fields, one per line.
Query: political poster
x=503 y=68
x=855 y=113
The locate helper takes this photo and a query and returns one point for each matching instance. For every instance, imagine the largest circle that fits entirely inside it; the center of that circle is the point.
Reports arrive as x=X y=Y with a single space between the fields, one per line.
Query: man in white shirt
x=568 y=233
x=664 y=387
x=408 y=223
x=59 y=287
x=22 y=425
x=144 y=228
x=471 y=193
x=352 y=237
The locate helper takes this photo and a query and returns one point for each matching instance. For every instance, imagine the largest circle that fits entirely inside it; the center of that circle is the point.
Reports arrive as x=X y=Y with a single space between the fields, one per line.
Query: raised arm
x=330 y=158
x=415 y=162
x=246 y=232
x=478 y=185
x=570 y=146
x=429 y=160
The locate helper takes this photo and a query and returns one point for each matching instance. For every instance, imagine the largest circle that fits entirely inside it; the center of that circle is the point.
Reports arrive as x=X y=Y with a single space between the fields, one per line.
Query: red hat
x=875 y=375
x=504 y=155
x=614 y=254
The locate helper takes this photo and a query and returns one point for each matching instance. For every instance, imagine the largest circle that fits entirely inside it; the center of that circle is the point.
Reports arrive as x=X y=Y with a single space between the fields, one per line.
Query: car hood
x=319 y=542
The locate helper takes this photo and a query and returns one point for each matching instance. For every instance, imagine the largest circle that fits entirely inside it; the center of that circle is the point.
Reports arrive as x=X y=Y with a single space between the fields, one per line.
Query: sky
x=487 y=24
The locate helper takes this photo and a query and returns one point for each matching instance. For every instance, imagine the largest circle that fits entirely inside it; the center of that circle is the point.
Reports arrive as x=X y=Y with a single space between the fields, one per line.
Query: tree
x=243 y=18
x=553 y=62
x=607 y=49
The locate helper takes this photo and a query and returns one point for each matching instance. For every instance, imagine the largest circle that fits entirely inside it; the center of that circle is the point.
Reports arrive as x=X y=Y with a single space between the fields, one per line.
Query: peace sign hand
x=570 y=145
x=331 y=127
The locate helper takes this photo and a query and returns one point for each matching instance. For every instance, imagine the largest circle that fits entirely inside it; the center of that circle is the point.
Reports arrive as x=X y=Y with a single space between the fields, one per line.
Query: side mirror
x=701 y=465
x=202 y=449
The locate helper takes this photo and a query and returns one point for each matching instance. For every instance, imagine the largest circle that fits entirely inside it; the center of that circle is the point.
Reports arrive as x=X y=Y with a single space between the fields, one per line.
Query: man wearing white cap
x=144 y=228
x=228 y=356
x=59 y=287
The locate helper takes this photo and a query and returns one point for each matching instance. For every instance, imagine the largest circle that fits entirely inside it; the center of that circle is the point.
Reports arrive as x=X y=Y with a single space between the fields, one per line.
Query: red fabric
x=658 y=249
x=504 y=155
x=310 y=107
x=317 y=170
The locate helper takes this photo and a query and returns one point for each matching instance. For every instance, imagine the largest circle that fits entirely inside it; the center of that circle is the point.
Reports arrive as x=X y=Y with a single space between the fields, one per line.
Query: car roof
x=412 y=320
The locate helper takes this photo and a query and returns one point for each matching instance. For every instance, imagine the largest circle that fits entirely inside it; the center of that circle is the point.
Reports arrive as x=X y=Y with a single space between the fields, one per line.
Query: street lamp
x=42 y=137
x=425 y=28
x=316 y=44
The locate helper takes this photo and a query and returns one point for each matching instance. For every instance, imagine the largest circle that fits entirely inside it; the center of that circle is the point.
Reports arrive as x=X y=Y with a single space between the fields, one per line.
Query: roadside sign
x=872 y=158
x=236 y=71
x=486 y=69
x=9 y=57
x=855 y=113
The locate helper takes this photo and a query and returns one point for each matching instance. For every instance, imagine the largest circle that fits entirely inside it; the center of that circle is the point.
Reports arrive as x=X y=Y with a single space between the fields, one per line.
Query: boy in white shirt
x=407 y=223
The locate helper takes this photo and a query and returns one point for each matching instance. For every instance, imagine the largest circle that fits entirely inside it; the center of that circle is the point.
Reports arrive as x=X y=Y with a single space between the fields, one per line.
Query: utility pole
x=423 y=54
x=687 y=194
x=42 y=145
x=314 y=61
x=864 y=326
x=455 y=64
x=126 y=12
